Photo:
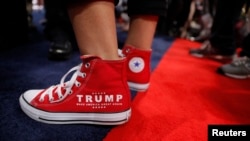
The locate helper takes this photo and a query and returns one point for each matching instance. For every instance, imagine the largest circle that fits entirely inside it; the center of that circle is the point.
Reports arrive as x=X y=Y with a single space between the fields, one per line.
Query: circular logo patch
x=136 y=64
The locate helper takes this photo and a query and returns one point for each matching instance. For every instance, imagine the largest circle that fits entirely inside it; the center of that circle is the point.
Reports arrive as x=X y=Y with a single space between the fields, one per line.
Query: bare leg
x=100 y=75
x=141 y=31
x=137 y=50
x=95 y=30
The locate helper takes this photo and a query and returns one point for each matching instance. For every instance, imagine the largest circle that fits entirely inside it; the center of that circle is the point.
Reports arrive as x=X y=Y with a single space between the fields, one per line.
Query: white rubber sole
x=74 y=118
x=138 y=87
x=237 y=76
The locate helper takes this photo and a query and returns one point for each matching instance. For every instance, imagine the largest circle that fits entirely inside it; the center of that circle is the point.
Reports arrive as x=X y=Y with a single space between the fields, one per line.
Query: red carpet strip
x=185 y=96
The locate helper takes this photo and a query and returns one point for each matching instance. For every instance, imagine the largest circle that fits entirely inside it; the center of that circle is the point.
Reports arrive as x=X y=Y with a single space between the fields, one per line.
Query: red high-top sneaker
x=97 y=93
x=138 y=67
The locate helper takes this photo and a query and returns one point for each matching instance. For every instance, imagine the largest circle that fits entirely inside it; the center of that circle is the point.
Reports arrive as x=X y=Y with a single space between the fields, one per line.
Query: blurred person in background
x=58 y=30
x=222 y=44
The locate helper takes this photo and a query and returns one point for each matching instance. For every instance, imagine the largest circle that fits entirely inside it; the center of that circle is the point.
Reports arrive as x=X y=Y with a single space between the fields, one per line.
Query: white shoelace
x=120 y=53
x=240 y=61
x=64 y=85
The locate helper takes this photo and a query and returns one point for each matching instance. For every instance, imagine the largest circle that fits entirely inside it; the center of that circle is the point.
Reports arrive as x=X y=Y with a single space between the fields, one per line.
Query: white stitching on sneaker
x=65 y=85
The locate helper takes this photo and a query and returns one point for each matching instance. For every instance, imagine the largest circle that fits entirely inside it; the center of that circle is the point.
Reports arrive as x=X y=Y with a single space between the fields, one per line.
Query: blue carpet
x=27 y=67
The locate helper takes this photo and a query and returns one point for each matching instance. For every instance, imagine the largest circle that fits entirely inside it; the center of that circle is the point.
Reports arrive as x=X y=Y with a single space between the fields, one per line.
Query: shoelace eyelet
x=51 y=99
x=78 y=84
x=84 y=75
x=127 y=50
x=60 y=97
x=87 y=65
x=41 y=100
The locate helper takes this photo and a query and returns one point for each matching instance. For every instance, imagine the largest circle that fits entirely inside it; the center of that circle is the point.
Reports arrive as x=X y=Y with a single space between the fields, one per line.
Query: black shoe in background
x=61 y=46
x=207 y=51
x=60 y=50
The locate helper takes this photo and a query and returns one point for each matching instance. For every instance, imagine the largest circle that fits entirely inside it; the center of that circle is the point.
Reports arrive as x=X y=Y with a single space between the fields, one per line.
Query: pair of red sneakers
x=97 y=93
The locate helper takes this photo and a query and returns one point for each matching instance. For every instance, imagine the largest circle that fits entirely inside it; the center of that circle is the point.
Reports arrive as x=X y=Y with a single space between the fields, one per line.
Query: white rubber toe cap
x=30 y=95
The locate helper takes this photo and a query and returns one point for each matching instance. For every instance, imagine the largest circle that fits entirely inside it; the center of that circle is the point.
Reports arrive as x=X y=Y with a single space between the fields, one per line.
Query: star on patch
x=136 y=64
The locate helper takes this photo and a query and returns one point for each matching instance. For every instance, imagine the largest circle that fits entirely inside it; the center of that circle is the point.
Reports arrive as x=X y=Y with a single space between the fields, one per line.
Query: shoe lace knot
x=63 y=89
